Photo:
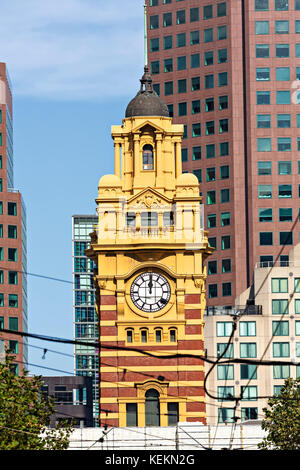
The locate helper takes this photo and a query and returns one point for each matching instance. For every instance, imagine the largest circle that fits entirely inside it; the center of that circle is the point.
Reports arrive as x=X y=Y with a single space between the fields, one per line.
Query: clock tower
x=149 y=247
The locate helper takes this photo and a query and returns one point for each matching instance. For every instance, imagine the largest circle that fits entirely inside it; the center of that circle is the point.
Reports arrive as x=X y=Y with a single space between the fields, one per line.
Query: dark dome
x=146 y=102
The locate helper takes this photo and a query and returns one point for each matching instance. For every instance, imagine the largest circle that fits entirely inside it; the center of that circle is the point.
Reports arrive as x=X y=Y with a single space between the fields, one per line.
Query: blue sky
x=74 y=66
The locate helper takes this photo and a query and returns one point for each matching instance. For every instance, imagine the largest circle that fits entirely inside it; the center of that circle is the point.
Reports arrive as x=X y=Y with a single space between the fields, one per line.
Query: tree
x=25 y=413
x=282 y=419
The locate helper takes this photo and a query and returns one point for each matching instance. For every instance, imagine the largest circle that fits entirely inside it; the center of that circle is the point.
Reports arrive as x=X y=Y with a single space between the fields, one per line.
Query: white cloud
x=72 y=49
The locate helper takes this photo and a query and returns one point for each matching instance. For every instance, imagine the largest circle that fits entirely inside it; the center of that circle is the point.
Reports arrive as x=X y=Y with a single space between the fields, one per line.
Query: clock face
x=150 y=292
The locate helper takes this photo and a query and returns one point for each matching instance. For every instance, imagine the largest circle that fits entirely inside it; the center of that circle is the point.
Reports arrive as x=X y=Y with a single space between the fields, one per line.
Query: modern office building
x=229 y=72
x=73 y=399
x=267 y=330
x=85 y=318
x=13 y=262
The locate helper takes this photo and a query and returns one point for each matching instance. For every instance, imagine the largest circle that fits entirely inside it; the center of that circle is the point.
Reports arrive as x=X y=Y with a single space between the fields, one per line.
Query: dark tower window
x=148 y=162
x=152 y=409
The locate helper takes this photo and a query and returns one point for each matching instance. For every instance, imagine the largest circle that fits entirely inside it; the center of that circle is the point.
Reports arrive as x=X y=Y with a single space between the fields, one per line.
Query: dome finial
x=146 y=81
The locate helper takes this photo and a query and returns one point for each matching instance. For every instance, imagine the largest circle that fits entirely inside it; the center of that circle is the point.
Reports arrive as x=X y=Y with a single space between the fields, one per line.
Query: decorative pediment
x=150 y=124
x=149 y=198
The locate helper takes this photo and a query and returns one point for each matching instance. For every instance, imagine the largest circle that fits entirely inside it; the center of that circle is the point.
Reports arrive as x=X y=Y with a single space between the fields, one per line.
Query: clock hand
x=150 y=285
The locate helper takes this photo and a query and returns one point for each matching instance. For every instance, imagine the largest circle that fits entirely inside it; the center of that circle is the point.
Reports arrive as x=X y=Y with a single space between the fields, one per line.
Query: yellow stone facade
x=150 y=224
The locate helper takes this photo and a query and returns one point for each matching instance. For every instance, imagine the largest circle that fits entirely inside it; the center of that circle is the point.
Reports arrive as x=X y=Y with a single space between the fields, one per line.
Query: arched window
x=173 y=335
x=148 y=161
x=158 y=336
x=144 y=336
x=152 y=408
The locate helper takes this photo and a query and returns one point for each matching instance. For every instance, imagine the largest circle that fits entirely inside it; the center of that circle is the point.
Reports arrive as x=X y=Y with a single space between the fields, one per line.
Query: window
x=224 y=149
x=168 y=42
x=167 y=19
x=225 y=242
x=222 y=79
x=131 y=415
x=154 y=44
x=261 y=5
x=222 y=32
x=158 y=336
x=280 y=328
x=211 y=174
x=153 y=3
x=168 y=88
x=225 y=219
x=226 y=265
x=226 y=289
x=285 y=168
x=282 y=74
x=283 y=97
x=265 y=238
x=173 y=413
x=264 y=168
x=181 y=85
x=196 y=153
x=211 y=197
x=221 y=347
x=225 y=372
x=209 y=127
x=263 y=74
x=12 y=277
x=249 y=392
x=208 y=35
x=12 y=231
x=262 y=51
x=13 y=323
x=247 y=328
x=210 y=150
x=208 y=58
x=223 y=102
x=194 y=38
x=264 y=144
x=225 y=393
x=222 y=56
x=248 y=371
x=180 y=17
x=261 y=27
x=211 y=220
x=212 y=291
x=224 y=172
x=1 y=300
x=196 y=129
x=195 y=61
x=196 y=107
x=283 y=120
x=154 y=22
x=263 y=121
x=129 y=336
x=154 y=67
x=221 y=9
x=184 y=155
x=223 y=125
x=194 y=14
x=284 y=144
x=149 y=219
x=226 y=415
x=212 y=267
x=280 y=372
x=207 y=12
x=279 y=285
x=285 y=214
x=182 y=109
x=173 y=336
x=181 y=63
x=198 y=173
x=265 y=215
x=212 y=241
x=297 y=284
x=144 y=336
x=281 y=5
x=297 y=26
x=281 y=27
x=195 y=83
x=280 y=306
x=225 y=195
x=285 y=238
x=297 y=4
x=209 y=81
x=12 y=254
x=156 y=88
x=247 y=350
x=181 y=40
x=148 y=160
x=263 y=97
x=168 y=65
x=281 y=349
x=11 y=208
x=284 y=190
x=282 y=50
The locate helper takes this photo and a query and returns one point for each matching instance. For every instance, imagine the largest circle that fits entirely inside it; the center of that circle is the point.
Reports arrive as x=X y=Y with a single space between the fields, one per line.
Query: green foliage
x=282 y=419
x=25 y=414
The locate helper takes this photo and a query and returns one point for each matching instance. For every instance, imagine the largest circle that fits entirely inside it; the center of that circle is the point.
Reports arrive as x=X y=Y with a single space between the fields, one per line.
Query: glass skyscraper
x=85 y=318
